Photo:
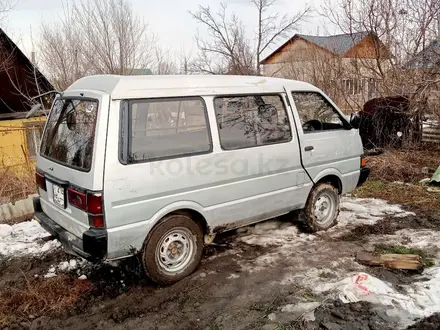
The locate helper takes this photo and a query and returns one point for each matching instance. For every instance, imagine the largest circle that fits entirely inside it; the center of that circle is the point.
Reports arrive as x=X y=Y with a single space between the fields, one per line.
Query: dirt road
x=268 y=276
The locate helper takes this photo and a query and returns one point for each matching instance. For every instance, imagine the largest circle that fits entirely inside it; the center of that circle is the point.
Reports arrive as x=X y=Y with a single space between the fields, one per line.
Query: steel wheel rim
x=324 y=209
x=175 y=250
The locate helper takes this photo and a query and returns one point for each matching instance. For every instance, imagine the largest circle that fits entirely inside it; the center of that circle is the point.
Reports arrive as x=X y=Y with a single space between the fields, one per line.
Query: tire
x=316 y=220
x=173 y=249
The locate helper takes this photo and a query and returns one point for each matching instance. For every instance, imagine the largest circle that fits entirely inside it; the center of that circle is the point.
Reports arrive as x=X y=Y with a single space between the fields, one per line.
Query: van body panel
x=58 y=174
x=330 y=152
x=229 y=188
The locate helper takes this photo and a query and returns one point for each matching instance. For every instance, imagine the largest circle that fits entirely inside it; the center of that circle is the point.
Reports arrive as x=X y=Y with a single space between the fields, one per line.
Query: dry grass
x=415 y=196
x=50 y=297
x=14 y=186
x=404 y=165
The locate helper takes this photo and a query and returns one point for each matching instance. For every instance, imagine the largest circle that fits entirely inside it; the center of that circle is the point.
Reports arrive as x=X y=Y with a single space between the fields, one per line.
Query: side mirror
x=355 y=120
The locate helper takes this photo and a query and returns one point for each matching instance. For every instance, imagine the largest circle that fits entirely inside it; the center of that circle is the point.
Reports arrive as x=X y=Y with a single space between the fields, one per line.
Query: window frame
x=81 y=98
x=125 y=129
x=286 y=109
x=345 y=122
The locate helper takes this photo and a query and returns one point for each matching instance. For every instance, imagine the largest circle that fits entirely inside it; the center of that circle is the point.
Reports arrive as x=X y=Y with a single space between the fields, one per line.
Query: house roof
x=19 y=67
x=338 y=44
x=427 y=58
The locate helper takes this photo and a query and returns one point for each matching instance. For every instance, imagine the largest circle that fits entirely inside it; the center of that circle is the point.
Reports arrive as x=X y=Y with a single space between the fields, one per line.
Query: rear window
x=167 y=128
x=70 y=133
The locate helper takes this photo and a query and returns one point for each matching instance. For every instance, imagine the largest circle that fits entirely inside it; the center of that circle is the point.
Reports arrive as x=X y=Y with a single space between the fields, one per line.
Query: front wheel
x=322 y=208
x=173 y=249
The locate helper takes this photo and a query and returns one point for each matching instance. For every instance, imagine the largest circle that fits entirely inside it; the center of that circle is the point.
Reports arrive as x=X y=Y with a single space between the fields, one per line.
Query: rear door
x=328 y=143
x=72 y=155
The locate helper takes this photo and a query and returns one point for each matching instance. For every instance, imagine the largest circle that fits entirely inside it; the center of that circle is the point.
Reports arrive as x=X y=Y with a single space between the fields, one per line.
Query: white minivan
x=158 y=165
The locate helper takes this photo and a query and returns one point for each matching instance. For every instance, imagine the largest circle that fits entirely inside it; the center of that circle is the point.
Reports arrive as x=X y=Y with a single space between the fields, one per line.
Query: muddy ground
x=237 y=286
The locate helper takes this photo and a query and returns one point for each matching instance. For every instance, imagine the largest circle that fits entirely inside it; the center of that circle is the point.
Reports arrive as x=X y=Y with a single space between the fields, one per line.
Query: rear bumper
x=92 y=246
x=365 y=173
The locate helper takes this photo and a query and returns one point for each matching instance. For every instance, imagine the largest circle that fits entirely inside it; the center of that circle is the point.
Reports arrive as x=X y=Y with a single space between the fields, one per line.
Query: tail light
x=77 y=199
x=363 y=161
x=94 y=203
x=40 y=179
x=90 y=202
x=97 y=221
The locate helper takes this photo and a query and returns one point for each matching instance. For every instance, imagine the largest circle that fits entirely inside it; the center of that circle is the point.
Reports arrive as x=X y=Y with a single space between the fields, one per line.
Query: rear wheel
x=322 y=208
x=173 y=249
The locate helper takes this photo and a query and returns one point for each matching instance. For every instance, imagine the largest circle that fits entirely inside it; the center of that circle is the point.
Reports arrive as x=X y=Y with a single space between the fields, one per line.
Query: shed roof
x=13 y=63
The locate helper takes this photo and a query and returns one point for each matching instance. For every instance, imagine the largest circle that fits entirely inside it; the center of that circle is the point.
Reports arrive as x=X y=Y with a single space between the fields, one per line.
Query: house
x=426 y=59
x=21 y=81
x=341 y=65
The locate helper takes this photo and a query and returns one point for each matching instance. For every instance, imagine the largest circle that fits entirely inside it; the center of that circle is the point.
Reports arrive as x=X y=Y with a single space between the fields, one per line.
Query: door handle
x=309 y=148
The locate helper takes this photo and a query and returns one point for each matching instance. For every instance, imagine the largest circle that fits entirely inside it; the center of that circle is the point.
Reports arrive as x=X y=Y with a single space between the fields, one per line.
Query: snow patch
x=5 y=230
x=417 y=300
x=286 y=237
x=25 y=238
x=81 y=265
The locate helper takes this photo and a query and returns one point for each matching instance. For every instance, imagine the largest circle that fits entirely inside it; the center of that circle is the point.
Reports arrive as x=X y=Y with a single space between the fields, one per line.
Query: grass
x=49 y=297
x=427 y=259
x=415 y=196
x=326 y=275
x=404 y=164
x=14 y=187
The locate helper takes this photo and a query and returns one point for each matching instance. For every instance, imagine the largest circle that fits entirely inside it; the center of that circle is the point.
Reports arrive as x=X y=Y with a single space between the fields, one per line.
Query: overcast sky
x=169 y=19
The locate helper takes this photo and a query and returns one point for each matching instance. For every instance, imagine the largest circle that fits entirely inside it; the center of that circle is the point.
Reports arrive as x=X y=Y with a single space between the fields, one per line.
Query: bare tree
x=405 y=27
x=410 y=31
x=164 y=63
x=185 y=59
x=5 y=7
x=228 y=49
x=95 y=37
x=272 y=27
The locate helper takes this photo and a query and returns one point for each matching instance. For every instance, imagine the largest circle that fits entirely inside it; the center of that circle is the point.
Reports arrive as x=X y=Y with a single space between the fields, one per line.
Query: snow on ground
x=410 y=302
x=359 y=211
x=25 y=238
x=286 y=236
x=424 y=239
x=78 y=265
x=421 y=299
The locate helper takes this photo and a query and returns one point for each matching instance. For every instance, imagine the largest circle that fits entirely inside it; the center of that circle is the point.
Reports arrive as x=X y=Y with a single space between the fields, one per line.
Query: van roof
x=122 y=87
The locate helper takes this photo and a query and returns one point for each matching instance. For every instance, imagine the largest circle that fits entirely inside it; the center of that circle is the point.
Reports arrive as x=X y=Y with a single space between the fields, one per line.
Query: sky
x=169 y=19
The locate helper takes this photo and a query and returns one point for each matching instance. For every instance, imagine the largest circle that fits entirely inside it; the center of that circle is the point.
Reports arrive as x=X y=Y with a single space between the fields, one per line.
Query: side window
x=250 y=121
x=162 y=128
x=316 y=113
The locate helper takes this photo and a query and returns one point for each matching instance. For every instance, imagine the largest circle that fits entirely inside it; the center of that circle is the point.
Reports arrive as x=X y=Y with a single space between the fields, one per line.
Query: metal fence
x=431 y=133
